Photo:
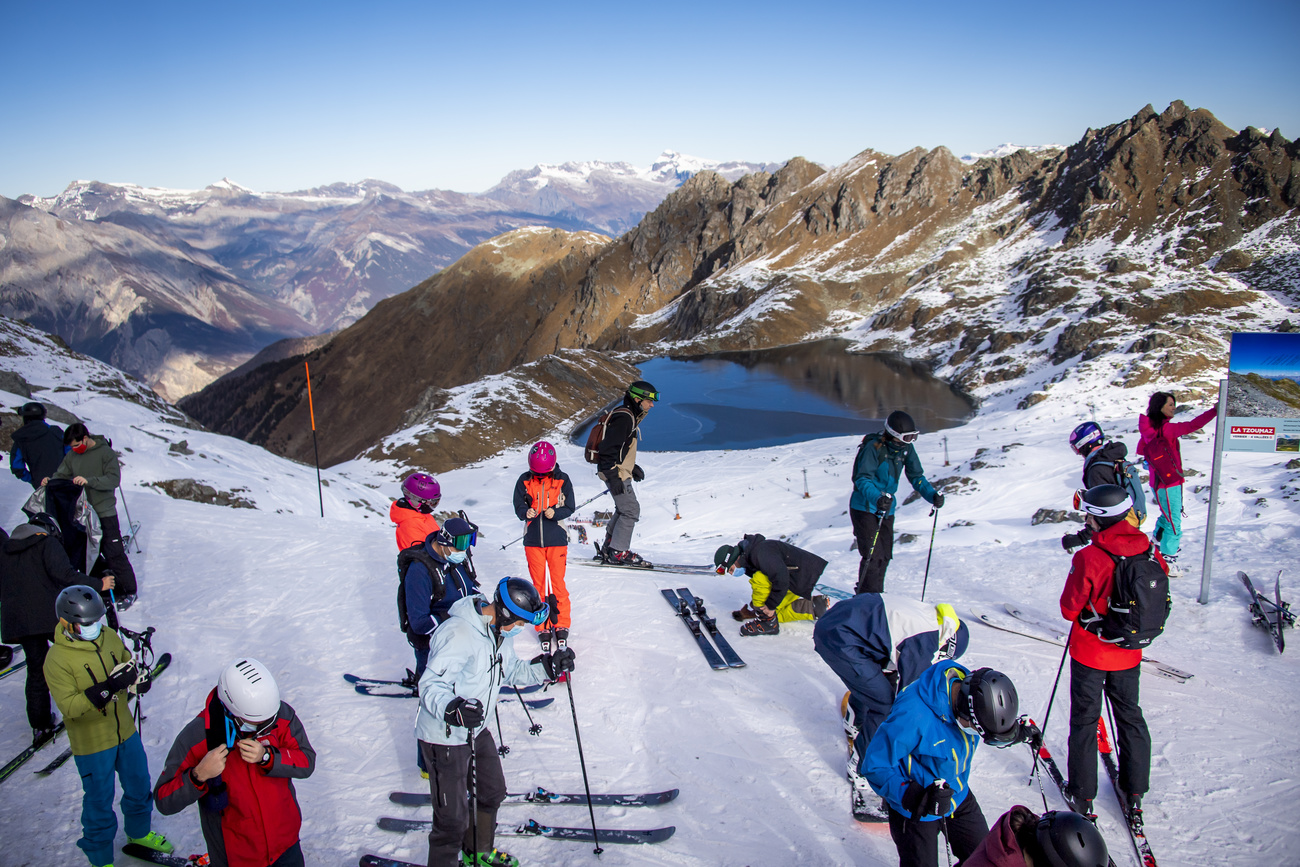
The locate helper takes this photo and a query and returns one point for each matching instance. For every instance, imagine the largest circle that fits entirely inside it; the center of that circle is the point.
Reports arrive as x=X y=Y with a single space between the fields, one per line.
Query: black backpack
x=405 y=557
x=1139 y=603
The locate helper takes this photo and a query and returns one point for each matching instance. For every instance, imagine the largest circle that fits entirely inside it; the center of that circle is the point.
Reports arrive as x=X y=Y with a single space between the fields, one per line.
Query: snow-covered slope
x=757 y=752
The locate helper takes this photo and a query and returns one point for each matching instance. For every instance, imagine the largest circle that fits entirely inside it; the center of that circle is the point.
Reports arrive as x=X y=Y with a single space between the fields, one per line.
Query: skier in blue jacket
x=882 y=460
x=920 y=758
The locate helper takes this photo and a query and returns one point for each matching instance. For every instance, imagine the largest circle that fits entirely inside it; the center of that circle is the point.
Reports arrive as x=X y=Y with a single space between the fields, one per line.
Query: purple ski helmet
x=1084 y=437
x=541 y=459
x=422 y=488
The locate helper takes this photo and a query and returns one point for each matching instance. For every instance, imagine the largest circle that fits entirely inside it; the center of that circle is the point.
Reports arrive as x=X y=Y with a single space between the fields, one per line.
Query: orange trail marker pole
x=315 y=448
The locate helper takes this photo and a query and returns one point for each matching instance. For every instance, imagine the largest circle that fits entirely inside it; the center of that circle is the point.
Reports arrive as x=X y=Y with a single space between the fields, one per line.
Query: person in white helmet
x=238 y=758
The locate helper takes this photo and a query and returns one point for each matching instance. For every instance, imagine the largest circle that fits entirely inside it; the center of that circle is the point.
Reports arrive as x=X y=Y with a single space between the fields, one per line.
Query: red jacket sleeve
x=1079 y=587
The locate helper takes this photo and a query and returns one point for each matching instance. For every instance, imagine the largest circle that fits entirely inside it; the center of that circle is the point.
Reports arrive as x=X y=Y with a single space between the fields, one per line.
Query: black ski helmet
x=1070 y=840
x=518 y=599
x=899 y=424
x=32 y=411
x=1108 y=504
x=79 y=605
x=46 y=522
x=642 y=390
x=988 y=698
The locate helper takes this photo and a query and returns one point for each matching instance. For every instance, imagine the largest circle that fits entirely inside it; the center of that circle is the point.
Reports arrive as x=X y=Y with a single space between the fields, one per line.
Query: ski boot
x=155 y=841
x=495 y=858
x=1082 y=806
x=627 y=558
x=6 y=655
x=40 y=737
x=1133 y=812
x=1175 y=571
x=124 y=602
x=561 y=639
x=761 y=625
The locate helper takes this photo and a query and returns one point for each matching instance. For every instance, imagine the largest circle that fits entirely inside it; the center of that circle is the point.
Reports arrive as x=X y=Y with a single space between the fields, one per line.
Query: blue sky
x=1266 y=354
x=286 y=95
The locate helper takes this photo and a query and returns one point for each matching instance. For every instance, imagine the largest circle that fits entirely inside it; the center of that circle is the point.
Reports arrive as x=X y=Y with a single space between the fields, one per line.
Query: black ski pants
x=1131 y=738
x=38 y=692
x=114 y=554
x=918 y=842
x=449 y=784
x=875 y=560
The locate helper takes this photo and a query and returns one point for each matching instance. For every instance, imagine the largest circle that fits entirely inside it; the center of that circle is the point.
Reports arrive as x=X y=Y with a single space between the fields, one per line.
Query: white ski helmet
x=248 y=690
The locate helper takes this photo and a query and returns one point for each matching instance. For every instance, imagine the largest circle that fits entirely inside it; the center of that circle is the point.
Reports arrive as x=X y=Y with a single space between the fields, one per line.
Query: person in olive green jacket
x=89 y=672
x=93 y=464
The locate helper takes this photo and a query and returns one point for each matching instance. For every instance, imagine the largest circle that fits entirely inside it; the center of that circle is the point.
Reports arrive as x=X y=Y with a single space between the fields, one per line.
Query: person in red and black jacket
x=544 y=498
x=1097 y=666
x=238 y=758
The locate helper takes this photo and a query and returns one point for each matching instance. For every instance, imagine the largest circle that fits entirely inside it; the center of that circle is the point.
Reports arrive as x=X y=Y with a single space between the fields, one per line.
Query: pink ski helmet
x=422 y=488
x=541 y=459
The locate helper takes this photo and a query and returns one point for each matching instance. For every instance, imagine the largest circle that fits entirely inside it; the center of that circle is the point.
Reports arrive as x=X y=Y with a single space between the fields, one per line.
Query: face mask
x=740 y=572
x=456 y=556
x=91 y=632
x=247 y=727
x=80 y=448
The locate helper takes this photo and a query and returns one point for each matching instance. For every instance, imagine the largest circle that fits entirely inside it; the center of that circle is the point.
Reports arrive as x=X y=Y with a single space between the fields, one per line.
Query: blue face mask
x=456 y=556
x=740 y=572
x=91 y=632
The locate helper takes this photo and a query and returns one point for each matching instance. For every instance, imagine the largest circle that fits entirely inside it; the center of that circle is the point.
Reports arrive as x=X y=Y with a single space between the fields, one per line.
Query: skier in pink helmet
x=413 y=512
x=543 y=499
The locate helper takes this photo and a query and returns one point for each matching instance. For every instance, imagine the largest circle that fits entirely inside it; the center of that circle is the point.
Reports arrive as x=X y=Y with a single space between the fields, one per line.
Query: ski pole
x=502 y=749
x=595 y=835
x=575 y=508
x=473 y=794
x=871 y=552
x=534 y=729
x=933 y=527
x=1052 y=698
x=129 y=525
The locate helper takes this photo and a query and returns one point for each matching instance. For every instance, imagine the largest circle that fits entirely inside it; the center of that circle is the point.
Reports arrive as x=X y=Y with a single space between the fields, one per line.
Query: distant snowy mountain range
x=181 y=286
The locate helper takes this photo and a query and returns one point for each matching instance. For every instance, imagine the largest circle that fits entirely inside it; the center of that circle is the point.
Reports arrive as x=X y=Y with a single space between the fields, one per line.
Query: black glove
x=615 y=486
x=100 y=694
x=933 y=800
x=556 y=663
x=466 y=713
x=638 y=474
x=144 y=685
x=882 y=504
x=938 y=500
x=1070 y=541
x=122 y=676
x=1027 y=732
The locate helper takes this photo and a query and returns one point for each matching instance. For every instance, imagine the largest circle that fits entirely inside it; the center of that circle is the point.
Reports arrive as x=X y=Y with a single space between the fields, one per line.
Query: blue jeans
x=1169 y=527
x=98 y=821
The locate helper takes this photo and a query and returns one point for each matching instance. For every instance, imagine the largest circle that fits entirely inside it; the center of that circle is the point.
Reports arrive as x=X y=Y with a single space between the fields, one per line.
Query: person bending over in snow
x=882 y=459
x=877 y=644
x=1055 y=839
x=1158 y=443
x=413 y=511
x=89 y=672
x=920 y=758
x=238 y=759
x=782 y=578
x=618 y=469
x=471 y=656
x=543 y=499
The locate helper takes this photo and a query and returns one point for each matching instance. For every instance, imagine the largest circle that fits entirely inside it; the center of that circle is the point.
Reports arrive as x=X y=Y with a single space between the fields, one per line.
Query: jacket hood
x=25 y=536
x=31 y=430
x=1121 y=539
x=466 y=608
x=1114 y=450
x=936 y=687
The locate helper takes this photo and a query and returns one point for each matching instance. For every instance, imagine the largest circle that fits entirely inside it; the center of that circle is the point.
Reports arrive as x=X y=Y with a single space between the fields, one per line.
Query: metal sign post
x=1216 y=474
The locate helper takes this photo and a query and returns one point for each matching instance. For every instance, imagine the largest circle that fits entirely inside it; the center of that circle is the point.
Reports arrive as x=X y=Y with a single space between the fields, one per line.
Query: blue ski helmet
x=1086 y=437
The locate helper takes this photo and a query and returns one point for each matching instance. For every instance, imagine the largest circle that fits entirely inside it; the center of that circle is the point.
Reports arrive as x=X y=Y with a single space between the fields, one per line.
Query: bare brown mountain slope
x=999 y=274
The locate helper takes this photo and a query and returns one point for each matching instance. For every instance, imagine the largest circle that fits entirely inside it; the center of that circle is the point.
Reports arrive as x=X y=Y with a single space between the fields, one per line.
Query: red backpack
x=592 y=450
x=1162 y=461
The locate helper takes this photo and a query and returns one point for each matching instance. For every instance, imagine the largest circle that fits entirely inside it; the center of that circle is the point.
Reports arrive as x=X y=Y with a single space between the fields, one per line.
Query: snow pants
x=1169 y=526
x=918 y=842
x=113 y=551
x=554 y=558
x=449 y=785
x=761 y=588
x=867 y=529
x=98 y=821
x=627 y=511
x=1131 y=736
x=38 y=691
x=420 y=644
x=871 y=693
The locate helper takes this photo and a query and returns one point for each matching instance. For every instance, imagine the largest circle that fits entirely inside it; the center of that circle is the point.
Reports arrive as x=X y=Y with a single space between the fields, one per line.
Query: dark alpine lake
x=745 y=400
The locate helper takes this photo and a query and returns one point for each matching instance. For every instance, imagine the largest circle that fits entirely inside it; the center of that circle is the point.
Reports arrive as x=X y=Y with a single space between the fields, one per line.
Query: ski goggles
x=421 y=501
x=910 y=437
x=465 y=541
x=536 y=618
x=236 y=729
x=1116 y=511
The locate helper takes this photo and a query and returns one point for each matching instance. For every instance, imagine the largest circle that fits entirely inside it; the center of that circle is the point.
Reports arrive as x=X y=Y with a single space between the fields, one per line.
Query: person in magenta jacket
x=1158 y=443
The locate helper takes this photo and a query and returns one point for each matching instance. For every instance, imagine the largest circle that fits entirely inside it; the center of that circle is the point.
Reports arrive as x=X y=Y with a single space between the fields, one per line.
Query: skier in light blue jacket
x=470 y=656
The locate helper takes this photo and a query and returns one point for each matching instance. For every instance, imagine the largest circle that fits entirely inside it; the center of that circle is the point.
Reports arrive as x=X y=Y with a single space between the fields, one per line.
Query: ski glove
x=466 y=713
x=1027 y=732
x=938 y=500
x=934 y=800
x=100 y=694
x=556 y=663
x=615 y=487
x=124 y=675
x=638 y=474
x=882 y=504
x=1071 y=541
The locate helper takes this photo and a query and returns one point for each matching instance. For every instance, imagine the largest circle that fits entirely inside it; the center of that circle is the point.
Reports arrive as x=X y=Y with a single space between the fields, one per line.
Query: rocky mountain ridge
x=1140 y=247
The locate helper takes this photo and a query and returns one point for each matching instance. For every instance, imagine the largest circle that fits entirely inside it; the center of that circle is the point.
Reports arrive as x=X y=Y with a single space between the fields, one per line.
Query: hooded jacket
x=1001 y=848
x=921 y=742
x=880 y=463
x=465 y=660
x=412 y=525
x=38 y=450
x=891 y=632
x=74 y=666
x=99 y=466
x=553 y=490
x=34 y=569
x=1091 y=580
x=423 y=611
x=260 y=818
x=1099 y=465
x=1170 y=431
x=787 y=568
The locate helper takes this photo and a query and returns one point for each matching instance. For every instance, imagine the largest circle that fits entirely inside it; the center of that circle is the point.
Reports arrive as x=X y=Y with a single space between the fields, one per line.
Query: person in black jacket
x=543 y=499
x=38 y=446
x=34 y=569
x=782 y=577
x=1102 y=458
x=617 y=468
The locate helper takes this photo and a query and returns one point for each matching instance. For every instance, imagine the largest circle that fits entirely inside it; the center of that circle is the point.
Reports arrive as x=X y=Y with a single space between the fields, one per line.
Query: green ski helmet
x=642 y=390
